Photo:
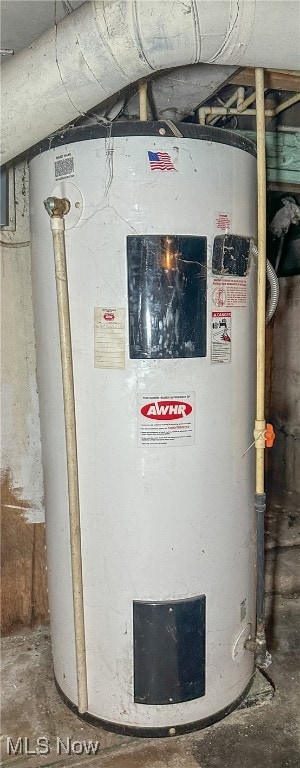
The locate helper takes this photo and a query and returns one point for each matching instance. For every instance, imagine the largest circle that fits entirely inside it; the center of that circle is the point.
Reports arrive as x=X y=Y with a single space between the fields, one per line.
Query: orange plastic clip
x=269 y=435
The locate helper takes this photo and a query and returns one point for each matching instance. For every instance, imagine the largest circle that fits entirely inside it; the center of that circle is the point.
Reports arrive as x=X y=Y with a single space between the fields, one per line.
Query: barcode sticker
x=64 y=166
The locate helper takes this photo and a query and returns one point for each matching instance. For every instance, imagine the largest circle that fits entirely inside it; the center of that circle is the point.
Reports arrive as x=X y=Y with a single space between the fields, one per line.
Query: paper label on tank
x=222 y=221
x=221 y=337
x=167 y=420
x=229 y=292
x=109 y=337
x=64 y=166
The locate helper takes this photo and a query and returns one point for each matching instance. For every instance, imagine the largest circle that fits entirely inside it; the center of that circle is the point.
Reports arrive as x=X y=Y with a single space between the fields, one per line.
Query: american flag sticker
x=161 y=161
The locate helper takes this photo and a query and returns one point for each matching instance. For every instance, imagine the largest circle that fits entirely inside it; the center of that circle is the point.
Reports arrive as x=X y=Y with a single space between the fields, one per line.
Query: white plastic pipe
x=143 y=100
x=260 y=424
x=241 y=97
x=233 y=98
x=104 y=46
x=246 y=103
x=288 y=103
x=58 y=232
x=204 y=111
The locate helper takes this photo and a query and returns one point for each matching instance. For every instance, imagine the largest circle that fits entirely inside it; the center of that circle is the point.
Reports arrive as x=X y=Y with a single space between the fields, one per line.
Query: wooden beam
x=274 y=80
x=23 y=564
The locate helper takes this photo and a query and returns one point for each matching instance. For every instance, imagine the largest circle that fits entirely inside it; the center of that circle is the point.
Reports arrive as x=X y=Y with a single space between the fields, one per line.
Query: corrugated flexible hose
x=274 y=286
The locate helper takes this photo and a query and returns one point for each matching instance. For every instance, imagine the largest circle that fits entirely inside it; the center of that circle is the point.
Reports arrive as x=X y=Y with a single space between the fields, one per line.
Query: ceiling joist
x=274 y=79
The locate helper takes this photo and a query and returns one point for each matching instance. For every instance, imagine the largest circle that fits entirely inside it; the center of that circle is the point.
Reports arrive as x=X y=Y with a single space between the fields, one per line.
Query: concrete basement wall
x=23 y=565
x=285 y=388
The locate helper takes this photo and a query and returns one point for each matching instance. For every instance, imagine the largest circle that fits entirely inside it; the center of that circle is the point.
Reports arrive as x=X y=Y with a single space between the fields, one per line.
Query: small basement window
x=7 y=199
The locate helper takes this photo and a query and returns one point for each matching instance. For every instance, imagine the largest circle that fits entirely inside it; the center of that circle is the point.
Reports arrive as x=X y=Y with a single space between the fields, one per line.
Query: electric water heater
x=162 y=308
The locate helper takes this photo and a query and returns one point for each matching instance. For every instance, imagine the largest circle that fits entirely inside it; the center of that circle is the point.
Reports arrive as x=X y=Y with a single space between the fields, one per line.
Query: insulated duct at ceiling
x=172 y=95
x=103 y=46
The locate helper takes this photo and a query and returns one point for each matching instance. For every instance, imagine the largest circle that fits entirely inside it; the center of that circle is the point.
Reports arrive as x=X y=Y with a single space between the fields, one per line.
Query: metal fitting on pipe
x=57 y=206
x=257 y=645
x=260 y=640
x=250 y=645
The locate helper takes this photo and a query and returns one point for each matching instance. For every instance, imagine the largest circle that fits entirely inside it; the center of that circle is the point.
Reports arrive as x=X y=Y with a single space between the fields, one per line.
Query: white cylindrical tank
x=162 y=305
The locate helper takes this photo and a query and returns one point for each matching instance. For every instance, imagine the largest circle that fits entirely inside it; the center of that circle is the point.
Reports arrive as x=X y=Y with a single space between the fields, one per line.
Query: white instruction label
x=229 y=292
x=64 y=166
x=166 y=419
x=220 y=337
x=223 y=221
x=109 y=337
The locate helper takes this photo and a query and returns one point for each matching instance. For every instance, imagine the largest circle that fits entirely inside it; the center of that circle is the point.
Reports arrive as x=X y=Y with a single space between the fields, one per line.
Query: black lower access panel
x=169 y=651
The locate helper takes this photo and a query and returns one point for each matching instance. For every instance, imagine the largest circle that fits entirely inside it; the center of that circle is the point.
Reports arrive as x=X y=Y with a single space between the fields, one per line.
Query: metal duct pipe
x=103 y=46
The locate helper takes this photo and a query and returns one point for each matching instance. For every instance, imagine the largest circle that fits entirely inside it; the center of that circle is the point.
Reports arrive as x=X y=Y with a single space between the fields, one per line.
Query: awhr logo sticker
x=166 y=410
x=167 y=420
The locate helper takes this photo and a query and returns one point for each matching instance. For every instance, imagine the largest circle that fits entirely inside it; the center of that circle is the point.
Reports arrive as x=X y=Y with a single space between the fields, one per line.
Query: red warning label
x=223 y=221
x=229 y=292
x=221 y=337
